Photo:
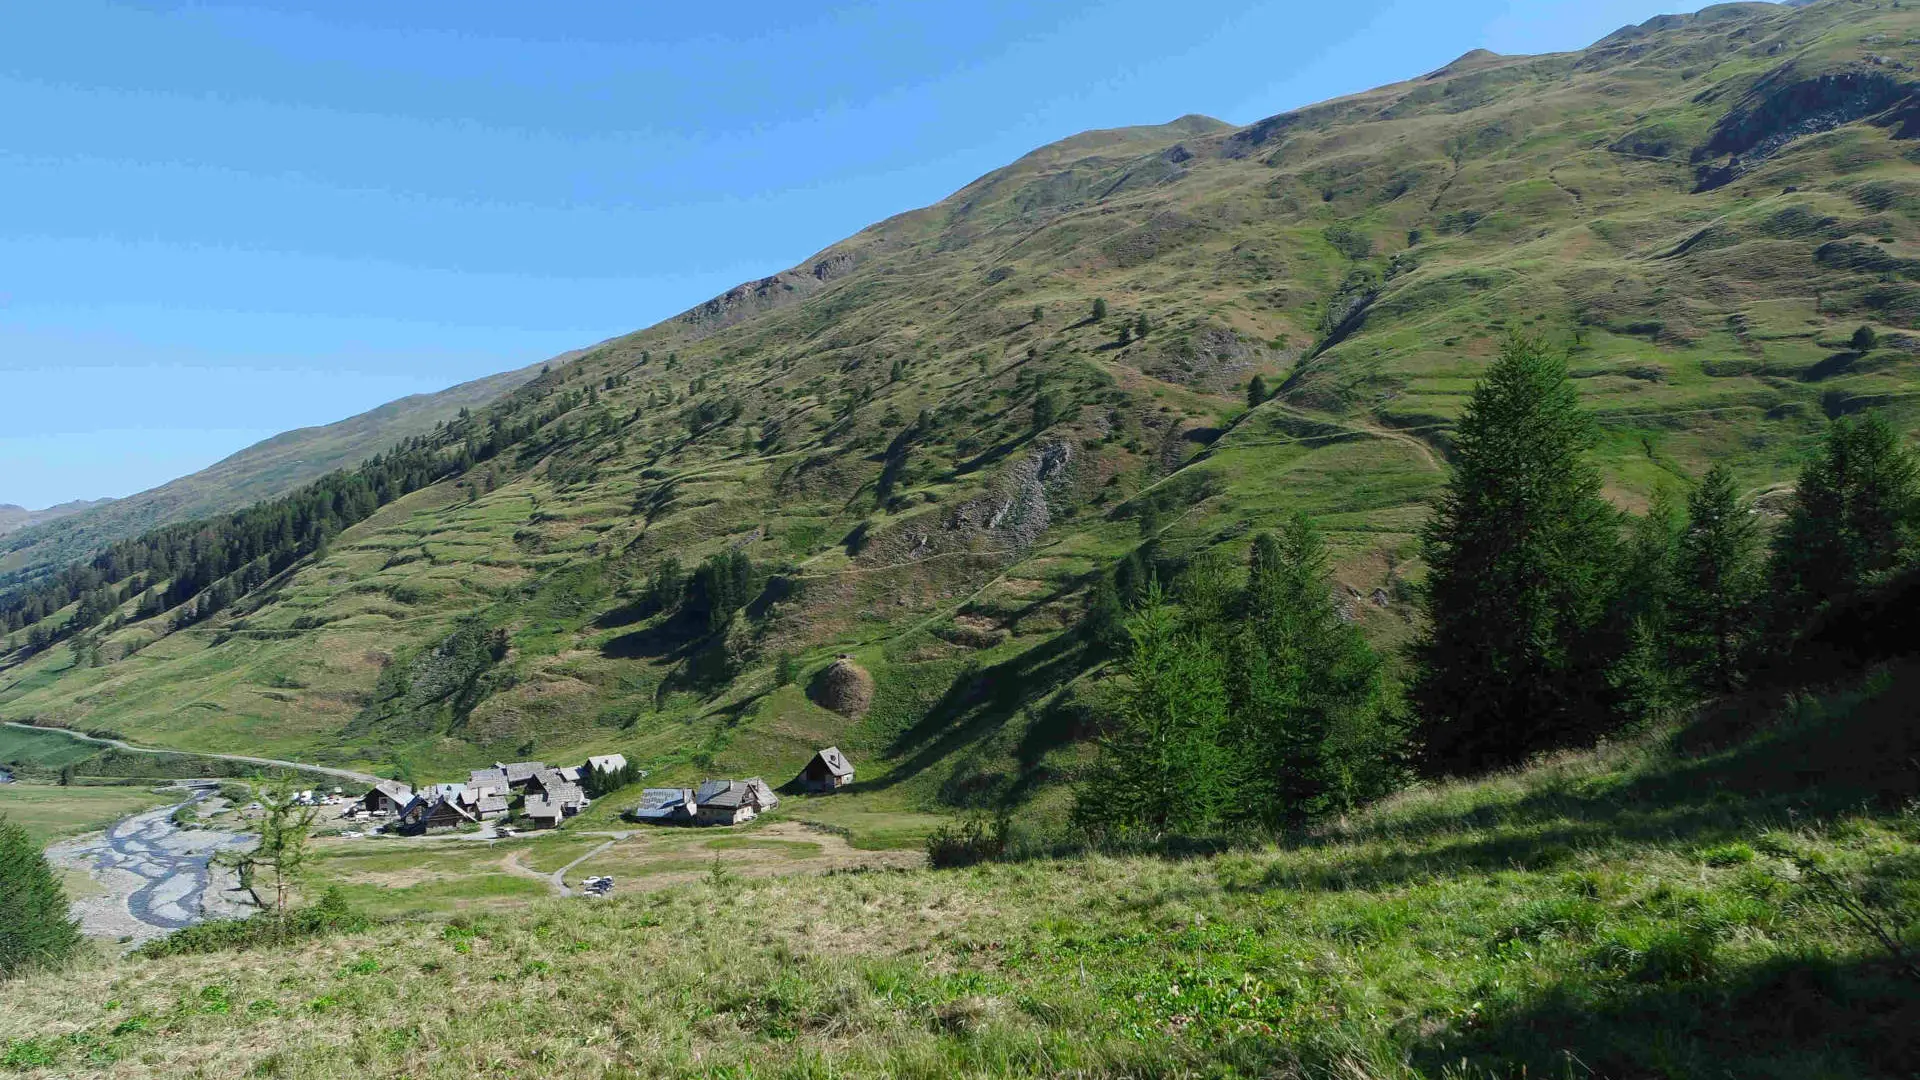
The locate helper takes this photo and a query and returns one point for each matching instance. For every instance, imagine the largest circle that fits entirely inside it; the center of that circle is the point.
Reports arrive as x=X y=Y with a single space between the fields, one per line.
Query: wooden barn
x=828 y=771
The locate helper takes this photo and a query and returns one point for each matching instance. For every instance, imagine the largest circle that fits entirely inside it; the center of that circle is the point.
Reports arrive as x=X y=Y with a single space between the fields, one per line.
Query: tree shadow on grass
x=1793 y=1016
x=1829 y=757
x=977 y=705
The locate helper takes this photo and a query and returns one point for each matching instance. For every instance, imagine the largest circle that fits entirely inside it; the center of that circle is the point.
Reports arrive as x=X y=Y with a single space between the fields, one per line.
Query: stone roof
x=539 y=806
x=521 y=771
x=487 y=776
x=733 y=794
x=835 y=761
x=395 y=790
x=607 y=762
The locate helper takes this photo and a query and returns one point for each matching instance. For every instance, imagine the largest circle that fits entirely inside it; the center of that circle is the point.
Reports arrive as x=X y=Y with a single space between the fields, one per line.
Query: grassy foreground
x=1626 y=912
x=55 y=813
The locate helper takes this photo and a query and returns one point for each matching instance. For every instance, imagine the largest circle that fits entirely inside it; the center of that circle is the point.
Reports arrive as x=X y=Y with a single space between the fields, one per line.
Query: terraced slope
x=270 y=467
x=933 y=446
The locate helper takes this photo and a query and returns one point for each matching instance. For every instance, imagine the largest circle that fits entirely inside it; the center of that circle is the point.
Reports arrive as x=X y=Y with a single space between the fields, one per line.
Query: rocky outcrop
x=788 y=287
x=1783 y=106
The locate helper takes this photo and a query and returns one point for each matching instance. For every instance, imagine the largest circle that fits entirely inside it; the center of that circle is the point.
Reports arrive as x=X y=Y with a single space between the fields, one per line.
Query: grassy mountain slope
x=1633 y=912
x=14 y=518
x=930 y=439
x=261 y=471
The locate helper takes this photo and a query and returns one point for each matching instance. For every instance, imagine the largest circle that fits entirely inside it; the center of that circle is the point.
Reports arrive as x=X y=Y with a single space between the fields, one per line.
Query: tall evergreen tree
x=35 y=931
x=1520 y=552
x=1164 y=768
x=1640 y=630
x=1717 y=576
x=1855 y=515
x=1307 y=691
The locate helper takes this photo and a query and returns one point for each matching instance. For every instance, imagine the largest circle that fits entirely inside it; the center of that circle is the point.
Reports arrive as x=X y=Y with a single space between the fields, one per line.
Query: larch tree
x=1521 y=551
x=1855 y=516
x=1716 y=582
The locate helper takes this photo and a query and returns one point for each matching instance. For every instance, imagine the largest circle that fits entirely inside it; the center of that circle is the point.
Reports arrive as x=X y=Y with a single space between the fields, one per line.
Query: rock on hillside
x=929 y=447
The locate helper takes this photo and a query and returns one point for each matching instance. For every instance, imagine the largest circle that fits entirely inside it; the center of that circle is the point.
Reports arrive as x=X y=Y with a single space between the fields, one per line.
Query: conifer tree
x=1716 y=582
x=1520 y=551
x=35 y=931
x=1164 y=768
x=1099 y=308
x=1855 y=515
x=1256 y=392
x=1307 y=689
x=1644 y=676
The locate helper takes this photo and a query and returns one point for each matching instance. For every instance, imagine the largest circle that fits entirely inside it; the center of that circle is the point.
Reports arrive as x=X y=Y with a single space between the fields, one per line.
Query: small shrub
x=330 y=915
x=973 y=841
x=1734 y=854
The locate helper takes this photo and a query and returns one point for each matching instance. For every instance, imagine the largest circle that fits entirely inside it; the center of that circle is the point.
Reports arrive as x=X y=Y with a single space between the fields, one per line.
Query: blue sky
x=222 y=221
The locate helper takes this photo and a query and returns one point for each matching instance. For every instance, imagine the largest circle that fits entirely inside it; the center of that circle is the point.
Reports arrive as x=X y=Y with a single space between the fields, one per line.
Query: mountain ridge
x=930 y=443
x=259 y=471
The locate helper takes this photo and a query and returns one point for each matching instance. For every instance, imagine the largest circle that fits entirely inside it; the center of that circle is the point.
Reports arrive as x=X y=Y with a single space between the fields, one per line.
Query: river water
x=156 y=877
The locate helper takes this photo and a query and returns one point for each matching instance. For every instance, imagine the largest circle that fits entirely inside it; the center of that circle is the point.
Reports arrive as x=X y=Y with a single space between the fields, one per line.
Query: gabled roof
x=518 y=771
x=491 y=804
x=607 y=762
x=487 y=776
x=572 y=774
x=566 y=795
x=540 y=806
x=393 y=789
x=733 y=794
x=836 y=763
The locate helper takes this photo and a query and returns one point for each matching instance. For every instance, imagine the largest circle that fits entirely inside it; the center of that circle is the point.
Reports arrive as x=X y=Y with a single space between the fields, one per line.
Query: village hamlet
x=542 y=796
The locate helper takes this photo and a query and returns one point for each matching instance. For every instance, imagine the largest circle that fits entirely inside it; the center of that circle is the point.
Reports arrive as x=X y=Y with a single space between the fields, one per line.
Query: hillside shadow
x=1792 y=1016
x=978 y=704
x=1830 y=757
x=1837 y=364
x=669 y=639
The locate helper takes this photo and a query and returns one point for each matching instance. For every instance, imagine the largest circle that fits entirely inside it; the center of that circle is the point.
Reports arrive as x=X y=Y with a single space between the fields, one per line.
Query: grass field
x=51 y=813
x=1553 y=195
x=1665 y=906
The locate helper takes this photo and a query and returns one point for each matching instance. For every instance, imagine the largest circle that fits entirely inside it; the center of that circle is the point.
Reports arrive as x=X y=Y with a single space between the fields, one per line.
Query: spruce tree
x=35 y=931
x=1163 y=769
x=1716 y=582
x=1520 y=551
x=1855 y=515
x=1256 y=391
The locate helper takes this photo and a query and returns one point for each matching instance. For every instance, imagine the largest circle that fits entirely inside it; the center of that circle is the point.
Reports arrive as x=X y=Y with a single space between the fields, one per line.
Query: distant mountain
x=39 y=541
x=14 y=518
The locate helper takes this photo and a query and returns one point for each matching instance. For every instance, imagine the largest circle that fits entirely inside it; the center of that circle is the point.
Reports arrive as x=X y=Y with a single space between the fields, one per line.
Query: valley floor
x=1673 y=906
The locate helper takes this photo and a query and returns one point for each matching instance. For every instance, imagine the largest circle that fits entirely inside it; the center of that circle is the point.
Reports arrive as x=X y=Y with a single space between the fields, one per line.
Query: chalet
x=828 y=771
x=665 y=805
x=606 y=763
x=387 y=797
x=547 y=811
x=484 y=803
x=427 y=812
x=731 y=802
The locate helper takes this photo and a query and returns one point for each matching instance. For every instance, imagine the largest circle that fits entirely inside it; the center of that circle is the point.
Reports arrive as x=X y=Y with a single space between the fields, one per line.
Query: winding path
x=345 y=774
